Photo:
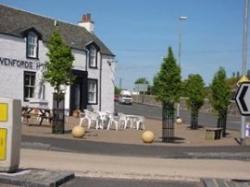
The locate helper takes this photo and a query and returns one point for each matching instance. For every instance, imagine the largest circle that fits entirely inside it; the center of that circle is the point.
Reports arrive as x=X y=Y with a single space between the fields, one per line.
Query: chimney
x=87 y=23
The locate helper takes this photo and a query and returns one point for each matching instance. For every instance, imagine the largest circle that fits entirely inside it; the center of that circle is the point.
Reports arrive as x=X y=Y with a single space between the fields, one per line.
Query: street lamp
x=181 y=18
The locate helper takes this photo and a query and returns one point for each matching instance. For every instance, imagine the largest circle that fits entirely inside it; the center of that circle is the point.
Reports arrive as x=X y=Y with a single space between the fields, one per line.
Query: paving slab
x=36 y=177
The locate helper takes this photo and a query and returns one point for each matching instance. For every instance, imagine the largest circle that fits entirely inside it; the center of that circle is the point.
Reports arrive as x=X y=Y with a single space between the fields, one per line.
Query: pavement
x=184 y=135
x=122 y=154
x=134 y=167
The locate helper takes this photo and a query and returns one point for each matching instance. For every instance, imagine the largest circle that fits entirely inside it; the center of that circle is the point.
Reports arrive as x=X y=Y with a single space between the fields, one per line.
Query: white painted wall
x=108 y=83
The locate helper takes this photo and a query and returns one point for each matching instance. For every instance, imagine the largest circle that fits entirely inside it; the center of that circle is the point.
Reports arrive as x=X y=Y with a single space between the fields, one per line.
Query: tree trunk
x=58 y=113
x=168 y=119
x=194 y=116
x=222 y=121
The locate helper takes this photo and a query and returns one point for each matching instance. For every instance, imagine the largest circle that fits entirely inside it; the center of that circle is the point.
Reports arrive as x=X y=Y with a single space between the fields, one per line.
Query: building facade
x=23 y=55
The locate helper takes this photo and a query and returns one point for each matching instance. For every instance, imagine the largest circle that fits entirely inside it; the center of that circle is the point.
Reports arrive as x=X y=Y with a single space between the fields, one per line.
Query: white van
x=125 y=97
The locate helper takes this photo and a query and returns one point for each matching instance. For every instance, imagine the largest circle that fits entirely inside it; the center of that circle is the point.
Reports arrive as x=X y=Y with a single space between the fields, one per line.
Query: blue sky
x=140 y=31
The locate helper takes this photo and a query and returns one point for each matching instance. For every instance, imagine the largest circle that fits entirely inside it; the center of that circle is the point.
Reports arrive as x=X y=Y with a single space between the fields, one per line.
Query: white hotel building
x=23 y=49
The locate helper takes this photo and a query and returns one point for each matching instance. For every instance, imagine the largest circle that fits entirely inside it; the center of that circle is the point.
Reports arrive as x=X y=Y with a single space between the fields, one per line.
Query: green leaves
x=195 y=91
x=141 y=80
x=220 y=97
x=59 y=68
x=167 y=83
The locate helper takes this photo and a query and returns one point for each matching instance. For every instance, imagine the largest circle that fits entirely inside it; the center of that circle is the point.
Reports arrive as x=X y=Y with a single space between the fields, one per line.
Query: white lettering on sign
x=20 y=63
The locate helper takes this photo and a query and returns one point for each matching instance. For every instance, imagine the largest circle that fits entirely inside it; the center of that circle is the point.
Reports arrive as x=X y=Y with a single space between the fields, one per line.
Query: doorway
x=79 y=91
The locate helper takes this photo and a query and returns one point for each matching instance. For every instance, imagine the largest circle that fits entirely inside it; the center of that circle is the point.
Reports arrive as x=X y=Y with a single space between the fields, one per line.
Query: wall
x=108 y=84
x=207 y=108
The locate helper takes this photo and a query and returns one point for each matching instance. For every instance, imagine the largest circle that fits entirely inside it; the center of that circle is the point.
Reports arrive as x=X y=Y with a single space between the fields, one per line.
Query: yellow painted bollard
x=148 y=137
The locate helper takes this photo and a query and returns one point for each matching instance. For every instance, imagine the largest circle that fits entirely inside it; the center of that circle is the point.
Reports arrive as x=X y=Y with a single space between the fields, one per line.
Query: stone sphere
x=178 y=121
x=148 y=137
x=78 y=131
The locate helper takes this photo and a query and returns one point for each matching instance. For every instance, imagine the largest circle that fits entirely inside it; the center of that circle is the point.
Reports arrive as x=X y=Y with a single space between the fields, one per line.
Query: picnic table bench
x=39 y=113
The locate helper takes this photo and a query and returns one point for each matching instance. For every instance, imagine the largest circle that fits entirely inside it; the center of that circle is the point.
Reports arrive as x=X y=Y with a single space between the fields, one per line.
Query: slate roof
x=15 y=22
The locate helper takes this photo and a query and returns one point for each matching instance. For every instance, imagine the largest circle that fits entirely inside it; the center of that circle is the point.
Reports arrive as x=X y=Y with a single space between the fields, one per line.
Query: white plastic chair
x=123 y=120
x=140 y=123
x=103 y=118
x=113 y=121
x=90 y=117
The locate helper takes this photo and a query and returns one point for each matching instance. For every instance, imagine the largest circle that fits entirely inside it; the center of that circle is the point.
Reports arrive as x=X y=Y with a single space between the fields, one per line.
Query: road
x=110 y=182
x=205 y=119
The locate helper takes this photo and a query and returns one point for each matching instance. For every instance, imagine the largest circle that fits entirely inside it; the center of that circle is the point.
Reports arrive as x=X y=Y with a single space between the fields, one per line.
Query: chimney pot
x=87 y=22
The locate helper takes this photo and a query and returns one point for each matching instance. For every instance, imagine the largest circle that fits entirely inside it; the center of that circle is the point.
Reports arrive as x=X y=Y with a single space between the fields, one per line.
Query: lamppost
x=181 y=19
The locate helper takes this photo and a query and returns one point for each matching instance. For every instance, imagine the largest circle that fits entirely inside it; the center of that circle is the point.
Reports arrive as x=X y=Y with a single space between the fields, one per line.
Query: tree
x=195 y=91
x=167 y=87
x=58 y=70
x=141 y=80
x=220 y=98
x=117 y=90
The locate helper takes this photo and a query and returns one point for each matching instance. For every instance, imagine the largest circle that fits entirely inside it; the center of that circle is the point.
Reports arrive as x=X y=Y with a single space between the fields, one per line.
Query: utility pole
x=244 y=62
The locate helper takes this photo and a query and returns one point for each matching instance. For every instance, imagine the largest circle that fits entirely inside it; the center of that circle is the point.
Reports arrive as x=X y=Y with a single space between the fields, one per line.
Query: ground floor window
x=92 y=91
x=29 y=84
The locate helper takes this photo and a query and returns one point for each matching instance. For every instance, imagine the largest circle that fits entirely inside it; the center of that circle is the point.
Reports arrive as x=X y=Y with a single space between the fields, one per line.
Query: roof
x=15 y=22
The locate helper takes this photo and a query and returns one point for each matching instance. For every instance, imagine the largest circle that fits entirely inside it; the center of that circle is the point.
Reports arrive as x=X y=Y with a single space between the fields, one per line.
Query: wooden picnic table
x=39 y=113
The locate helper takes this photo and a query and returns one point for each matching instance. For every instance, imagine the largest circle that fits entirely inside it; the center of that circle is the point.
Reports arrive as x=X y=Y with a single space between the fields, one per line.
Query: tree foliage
x=141 y=80
x=59 y=67
x=167 y=83
x=195 y=91
x=220 y=96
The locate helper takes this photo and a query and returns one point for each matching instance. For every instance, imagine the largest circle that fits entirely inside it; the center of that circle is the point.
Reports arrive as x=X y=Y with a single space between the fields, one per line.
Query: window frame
x=30 y=73
x=92 y=47
x=36 y=45
x=96 y=92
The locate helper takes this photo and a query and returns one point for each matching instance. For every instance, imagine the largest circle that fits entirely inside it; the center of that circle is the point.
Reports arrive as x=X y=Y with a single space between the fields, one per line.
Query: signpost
x=243 y=102
x=243 y=98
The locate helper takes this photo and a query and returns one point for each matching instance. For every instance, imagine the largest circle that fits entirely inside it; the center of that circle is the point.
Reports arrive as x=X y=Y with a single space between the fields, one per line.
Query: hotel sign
x=9 y=62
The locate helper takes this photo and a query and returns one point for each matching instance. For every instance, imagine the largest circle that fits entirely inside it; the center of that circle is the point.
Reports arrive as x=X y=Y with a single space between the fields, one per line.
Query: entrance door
x=78 y=91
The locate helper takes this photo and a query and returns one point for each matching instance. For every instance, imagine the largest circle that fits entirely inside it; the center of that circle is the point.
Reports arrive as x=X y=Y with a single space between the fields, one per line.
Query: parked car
x=125 y=97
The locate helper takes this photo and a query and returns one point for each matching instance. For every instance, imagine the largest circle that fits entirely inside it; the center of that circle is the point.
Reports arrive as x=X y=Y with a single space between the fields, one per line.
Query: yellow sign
x=3 y=140
x=242 y=79
x=3 y=112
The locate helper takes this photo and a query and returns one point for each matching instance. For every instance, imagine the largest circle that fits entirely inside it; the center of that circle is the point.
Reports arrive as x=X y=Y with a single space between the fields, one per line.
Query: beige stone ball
x=78 y=131
x=148 y=137
x=178 y=121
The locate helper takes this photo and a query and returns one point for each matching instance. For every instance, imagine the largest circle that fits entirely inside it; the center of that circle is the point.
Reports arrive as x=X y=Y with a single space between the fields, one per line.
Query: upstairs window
x=92 y=57
x=29 y=85
x=32 y=45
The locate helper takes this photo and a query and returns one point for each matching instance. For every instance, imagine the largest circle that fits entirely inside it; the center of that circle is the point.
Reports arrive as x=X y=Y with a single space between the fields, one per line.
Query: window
x=32 y=45
x=92 y=57
x=29 y=84
x=92 y=91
